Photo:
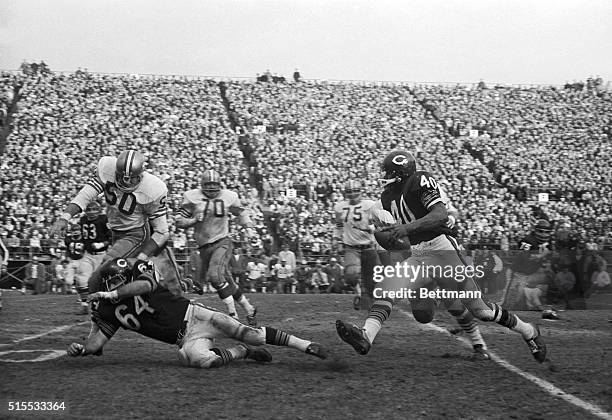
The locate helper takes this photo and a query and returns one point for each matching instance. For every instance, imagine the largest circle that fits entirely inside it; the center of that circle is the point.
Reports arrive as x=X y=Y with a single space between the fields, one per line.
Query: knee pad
x=198 y=354
x=482 y=310
x=423 y=310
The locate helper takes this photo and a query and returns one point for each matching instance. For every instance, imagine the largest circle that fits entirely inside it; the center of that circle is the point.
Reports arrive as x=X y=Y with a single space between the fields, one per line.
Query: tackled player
x=132 y=298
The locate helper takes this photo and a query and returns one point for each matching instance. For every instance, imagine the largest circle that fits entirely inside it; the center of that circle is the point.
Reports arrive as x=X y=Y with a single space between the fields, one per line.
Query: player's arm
x=105 y=236
x=160 y=232
x=186 y=217
x=87 y=194
x=98 y=337
x=244 y=216
x=145 y=282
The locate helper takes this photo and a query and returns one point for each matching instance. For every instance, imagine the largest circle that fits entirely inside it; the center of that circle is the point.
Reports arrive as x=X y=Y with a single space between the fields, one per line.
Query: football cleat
x=252 y=319
x=480 y=353
x=537 y=346
x=317 y=350
x=83 y=310
x=258 y=354
x=197 y=289
x=357 y=303
x=354 y=336
x=549 y=314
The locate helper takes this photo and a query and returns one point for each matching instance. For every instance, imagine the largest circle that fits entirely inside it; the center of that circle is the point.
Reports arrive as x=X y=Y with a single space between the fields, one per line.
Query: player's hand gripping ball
x=387 y=240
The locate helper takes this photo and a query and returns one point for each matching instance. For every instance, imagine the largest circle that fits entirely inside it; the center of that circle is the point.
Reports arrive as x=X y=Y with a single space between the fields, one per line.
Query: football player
x=534 y=249
x=75 y=251
x=95 y=237
x=355 y=220
x=4 y=257
x=132 y=298
x=413 y=198
x=208 y=209
x=136 y=212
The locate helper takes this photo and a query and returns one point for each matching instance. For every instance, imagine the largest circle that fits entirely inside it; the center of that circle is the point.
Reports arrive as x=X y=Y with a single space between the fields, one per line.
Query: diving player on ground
x=414 y=200
x=132 y=298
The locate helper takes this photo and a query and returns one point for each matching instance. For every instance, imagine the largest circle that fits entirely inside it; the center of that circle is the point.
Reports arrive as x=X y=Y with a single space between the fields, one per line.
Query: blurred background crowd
x=506 y=155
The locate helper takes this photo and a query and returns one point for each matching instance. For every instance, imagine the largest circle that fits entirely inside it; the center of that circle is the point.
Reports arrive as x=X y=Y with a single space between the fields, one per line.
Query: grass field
x=413 y=371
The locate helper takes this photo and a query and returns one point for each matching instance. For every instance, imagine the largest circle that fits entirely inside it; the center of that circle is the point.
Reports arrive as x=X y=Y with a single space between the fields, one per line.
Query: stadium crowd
x=491 y=149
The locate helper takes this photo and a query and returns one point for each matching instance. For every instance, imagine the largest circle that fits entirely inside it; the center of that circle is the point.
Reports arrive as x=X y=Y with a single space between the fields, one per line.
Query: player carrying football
x=132 y=298
x=208 y=209
x=414 y=200
x=136 y=212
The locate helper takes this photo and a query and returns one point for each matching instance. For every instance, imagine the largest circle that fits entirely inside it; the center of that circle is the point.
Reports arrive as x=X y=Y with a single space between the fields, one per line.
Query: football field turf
x=412 y=371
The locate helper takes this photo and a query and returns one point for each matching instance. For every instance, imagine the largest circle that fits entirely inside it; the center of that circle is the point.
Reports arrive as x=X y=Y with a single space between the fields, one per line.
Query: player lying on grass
x=132 y=298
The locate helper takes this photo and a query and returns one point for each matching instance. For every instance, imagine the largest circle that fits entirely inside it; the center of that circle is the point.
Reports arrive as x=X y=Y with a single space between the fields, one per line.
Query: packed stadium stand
x=506 y=155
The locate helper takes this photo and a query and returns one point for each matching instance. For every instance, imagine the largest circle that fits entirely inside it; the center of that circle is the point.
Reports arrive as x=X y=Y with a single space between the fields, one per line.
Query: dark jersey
x=158 y=314
x=94 y=231
x=412 y=200
x=528 y=259
x=75 y=248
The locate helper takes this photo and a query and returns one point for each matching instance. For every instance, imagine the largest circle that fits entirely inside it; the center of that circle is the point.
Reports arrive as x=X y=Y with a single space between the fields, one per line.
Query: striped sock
x=468 y=324
x=227 y=355
x=379 y=313
x=281 y=338
x=82 y=291
x=244 y=302
x=510 y=320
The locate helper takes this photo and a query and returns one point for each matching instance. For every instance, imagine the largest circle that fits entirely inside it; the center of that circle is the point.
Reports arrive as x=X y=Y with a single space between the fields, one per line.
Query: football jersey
x=411 y=200
x=528 y=259
x=355 y=220
x=129 y=210
x=94 y=231
x=158 y=314
x=215 y=211
x=75 y=248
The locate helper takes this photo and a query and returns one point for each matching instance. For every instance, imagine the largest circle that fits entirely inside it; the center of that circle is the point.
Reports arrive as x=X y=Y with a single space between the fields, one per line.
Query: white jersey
x=354 y=221
x=446 y=200
x=215 y=213
x=283 y=271
x=128 y=210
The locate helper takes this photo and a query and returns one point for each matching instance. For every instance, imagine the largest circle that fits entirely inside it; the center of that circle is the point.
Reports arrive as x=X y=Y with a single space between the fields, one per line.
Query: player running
x=208 y=210
x=355 y=225
x=414 y=200
x=132 y=298
x=94 y=238
x=136 y=212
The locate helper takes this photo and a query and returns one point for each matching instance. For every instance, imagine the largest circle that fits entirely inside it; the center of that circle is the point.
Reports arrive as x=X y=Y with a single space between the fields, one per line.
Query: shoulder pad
x=106 y=168
x=193 y=195
x=152 y=186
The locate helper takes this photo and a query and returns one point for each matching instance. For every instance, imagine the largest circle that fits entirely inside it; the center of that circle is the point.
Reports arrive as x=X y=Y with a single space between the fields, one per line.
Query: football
x=385 y=240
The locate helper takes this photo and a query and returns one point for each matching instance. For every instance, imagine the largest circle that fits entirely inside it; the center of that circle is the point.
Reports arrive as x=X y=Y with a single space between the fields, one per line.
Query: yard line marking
x=545 y=385
x=35 y=336
x=51 y=354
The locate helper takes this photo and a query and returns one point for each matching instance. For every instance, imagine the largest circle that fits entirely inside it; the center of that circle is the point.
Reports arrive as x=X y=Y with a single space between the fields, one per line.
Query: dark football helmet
x=115 y=273
x=543 y=230
x=211 y=183
x=129 y=170
x=92 y=210
x=397 y=166
x=352 y=190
